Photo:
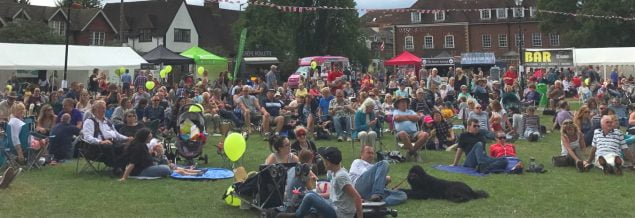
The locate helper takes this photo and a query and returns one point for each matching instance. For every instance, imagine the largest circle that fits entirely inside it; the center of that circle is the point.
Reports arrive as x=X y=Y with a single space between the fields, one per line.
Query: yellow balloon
x=168 y=69
x=163 y=74
x=230 y=199
x=122 y=70
x=9 y=88
x=196 y=108
x=150 y=85
x=235 y=146
x=313 y=65
x=587 y=81
x=200 y=71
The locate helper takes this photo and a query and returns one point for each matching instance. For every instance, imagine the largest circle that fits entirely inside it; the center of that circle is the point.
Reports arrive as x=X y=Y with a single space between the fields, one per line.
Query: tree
x=83 y=3
x=27 y=31
x=294 y=35
x=590 y=32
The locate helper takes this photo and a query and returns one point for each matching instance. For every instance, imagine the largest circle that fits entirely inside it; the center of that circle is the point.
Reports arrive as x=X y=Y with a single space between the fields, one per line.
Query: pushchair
x=511 y=102
x=191 y=134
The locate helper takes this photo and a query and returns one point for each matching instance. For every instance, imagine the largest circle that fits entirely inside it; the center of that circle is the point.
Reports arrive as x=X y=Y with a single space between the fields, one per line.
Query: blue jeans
x=489 y=135
x=373 y=181
x=477 y=156
x=313 y=200
x=156 y=171
x=337 y=121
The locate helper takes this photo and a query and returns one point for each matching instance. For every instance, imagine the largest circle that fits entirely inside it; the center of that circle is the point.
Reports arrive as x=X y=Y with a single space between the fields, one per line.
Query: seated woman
x=16 y=122
x=140 y=162
x=444 y=132
x=118 y=116
x=501 y=148
x=531 y=122
x=366 y=123
x=131 y=124
x=532 y=97
x=46 y=120
x=302 y=142
x=83 y=105
x=281 y=148
x=387 y=107
x=573 y=145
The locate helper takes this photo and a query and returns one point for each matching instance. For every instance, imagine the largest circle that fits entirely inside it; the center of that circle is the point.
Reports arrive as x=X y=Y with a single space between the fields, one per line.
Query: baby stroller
x=511 y=103
x=192 y=136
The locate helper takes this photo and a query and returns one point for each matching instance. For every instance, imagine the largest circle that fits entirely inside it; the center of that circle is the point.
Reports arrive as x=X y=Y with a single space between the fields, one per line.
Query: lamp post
x=241 y=6
x=521 y=41
x=71 y=4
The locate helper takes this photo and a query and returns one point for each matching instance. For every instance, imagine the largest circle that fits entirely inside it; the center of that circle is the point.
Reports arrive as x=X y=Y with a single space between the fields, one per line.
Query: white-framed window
x=181 y=35
x=502 y=41
x=486 y=14
x=449 y=41
x=520 y=39
x=409 y=43
x=532 y=12
x=439 y=15
x=58 y=27
x=536 y=39
x=145 y=35
x=97 y=38
x=486 y=39
x=501 y=13
x=415 y=17
x=518 y=12
x=554 y=39
x=428 y=42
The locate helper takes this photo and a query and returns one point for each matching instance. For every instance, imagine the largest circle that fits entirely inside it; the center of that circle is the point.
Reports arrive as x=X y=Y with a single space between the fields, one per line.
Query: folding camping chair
x=265 y=190
x=90 y=158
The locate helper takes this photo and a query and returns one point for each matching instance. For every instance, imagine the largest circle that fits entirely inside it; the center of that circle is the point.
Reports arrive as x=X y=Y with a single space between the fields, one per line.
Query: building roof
x=80 y=18
x=154 y=15
x=215 y=30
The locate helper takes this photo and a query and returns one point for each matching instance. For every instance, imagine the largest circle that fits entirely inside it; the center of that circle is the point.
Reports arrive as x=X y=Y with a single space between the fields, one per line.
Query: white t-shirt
x=343 y=203
x=16 y=126
x=358 y=167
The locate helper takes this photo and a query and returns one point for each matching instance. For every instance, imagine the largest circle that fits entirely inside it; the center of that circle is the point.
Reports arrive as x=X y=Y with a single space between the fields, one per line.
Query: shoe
x=605 y=167
x=580 y=166
x=245 y=135
x=618 y=168
x=216 y=135
x=266 y=136
x=376 y=198
x=8 y=177
x=340 y=139
x=348 y=139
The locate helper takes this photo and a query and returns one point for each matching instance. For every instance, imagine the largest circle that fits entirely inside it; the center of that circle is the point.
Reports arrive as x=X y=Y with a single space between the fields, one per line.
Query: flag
x=241 y=49
x=381 y=47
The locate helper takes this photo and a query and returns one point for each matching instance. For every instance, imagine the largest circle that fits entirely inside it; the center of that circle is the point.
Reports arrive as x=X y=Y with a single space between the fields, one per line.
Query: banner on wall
x=548 y=58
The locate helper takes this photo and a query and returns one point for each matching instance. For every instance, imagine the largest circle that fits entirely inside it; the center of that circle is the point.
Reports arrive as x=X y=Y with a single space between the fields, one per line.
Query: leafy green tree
x=27 y=31
x=83 y=3
x=590 y=32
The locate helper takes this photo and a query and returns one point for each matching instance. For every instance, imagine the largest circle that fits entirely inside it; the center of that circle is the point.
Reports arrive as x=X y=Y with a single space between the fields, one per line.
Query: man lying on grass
x=607 y=143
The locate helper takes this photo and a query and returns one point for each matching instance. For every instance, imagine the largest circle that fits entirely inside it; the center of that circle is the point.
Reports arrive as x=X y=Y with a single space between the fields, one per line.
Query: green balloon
x=235 y=146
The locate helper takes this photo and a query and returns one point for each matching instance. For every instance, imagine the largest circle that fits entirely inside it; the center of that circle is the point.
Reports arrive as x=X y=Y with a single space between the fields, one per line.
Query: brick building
x=477 y=26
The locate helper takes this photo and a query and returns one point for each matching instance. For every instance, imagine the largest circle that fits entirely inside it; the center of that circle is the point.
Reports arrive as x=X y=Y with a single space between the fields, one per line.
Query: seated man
x=154 y=113
x=472 y=143
x=607 y=144
x=556 y=94
x=275 y=108
x=407 y=129
x=532 y=97
x=342 y=200
x=341 y=111
x=100 y=131
x=252 y=109
x=620 y=111
x=370 y=180
x=60 y=146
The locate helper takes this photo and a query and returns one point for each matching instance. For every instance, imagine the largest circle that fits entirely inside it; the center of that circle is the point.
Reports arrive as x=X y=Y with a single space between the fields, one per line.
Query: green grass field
x=562 y=192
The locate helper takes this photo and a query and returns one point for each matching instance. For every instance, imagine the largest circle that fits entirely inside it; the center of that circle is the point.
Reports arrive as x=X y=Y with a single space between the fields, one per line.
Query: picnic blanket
x=211 y=174
x=459 y=169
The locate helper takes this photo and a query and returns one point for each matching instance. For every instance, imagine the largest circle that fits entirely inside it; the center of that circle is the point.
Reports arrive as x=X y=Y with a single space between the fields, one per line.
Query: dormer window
x=486 y=14
x=439 y=15
x=519 y=12
x=415 y=17
x=501 y=13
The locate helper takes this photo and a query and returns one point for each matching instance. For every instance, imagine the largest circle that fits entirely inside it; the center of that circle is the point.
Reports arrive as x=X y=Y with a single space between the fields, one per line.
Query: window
x=536 y=39
x=501 y=13
x=409 y=43
x=519 y=12
x=554 y=39
x=449 y=41
x=428 y=42
x=520 y=39
x=439 y=15
x=97 y=38
x=532 y=12
x=58 y=27
x=486 y=39
x=145 y=35
x=415 y=17
x=486 y=14
x=181 y=35
x=502 y=41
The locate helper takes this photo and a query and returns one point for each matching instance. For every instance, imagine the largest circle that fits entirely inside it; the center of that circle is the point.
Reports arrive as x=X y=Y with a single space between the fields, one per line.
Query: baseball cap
x=332 y=154
x=428 y=119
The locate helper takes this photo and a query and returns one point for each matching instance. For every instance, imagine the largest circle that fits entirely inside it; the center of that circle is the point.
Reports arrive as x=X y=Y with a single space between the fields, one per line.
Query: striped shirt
x=611 y=143
x=531 y=122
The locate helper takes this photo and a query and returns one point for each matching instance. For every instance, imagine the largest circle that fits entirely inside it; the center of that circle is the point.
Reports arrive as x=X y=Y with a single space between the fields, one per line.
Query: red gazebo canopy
x=405 y=58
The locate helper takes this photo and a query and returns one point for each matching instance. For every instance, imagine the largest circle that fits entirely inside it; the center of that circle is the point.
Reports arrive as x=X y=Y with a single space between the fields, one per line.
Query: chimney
x=213 y=6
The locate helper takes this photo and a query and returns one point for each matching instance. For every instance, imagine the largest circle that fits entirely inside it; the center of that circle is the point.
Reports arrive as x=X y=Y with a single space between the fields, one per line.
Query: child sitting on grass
x=531 y=122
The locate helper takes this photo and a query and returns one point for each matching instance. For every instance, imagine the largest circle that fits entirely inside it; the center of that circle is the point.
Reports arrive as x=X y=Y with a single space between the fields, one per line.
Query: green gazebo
x=214 y=64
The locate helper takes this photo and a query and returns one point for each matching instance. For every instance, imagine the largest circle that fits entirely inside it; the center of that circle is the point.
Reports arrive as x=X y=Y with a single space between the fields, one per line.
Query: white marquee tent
x=81 y=59
x=605 y=57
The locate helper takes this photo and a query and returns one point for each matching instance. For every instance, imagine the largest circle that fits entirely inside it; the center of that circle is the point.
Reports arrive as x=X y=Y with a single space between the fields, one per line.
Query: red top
x=333 y=75
x=577 y=81
x=511 y=74
x=496 y=127
x=498 y=150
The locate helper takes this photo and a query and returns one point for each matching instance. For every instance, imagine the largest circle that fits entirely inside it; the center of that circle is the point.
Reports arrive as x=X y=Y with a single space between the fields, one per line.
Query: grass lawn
x=58 y=192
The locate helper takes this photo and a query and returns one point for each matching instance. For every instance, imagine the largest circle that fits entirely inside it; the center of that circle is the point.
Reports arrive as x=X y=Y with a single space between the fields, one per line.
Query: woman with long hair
x=281 y=151
x=84 y=104
x=45 y=120
x=131 y=124
x=18 y=110
x=118 y=116
x=582 y=119
x=140 y=161
x=366 y=123
x=573 y=145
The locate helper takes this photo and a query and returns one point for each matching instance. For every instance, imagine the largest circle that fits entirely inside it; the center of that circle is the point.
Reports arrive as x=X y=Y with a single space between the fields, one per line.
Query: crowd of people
x=419 y=110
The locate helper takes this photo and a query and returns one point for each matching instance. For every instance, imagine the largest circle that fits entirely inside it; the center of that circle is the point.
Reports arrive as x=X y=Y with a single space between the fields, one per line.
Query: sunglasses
x=476 y=126
x=501 y=138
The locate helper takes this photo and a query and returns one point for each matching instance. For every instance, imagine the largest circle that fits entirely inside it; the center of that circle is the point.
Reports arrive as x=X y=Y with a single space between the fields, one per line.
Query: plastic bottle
x=532 y=163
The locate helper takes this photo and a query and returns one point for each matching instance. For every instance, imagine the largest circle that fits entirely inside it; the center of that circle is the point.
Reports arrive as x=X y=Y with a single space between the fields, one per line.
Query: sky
x=372 y=4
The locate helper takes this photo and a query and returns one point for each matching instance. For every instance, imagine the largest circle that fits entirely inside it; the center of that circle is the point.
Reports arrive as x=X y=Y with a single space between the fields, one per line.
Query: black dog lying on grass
x=425 y=186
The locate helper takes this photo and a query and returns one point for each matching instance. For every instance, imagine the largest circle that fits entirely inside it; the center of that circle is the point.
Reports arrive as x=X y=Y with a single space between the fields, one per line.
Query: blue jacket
x=361 y=125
